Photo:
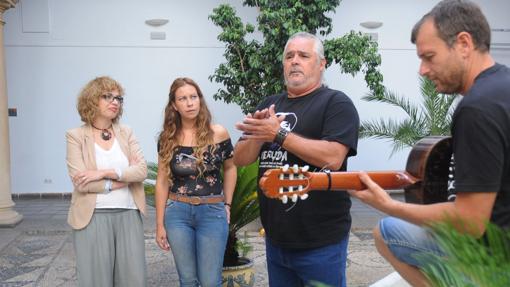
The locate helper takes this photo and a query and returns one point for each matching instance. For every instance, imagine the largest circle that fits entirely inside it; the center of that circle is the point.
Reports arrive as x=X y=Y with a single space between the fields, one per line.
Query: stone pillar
x=8 y=216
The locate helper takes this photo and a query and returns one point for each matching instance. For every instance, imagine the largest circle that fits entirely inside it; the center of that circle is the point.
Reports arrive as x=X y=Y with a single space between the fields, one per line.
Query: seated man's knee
x=379 y=241
x=376 y=233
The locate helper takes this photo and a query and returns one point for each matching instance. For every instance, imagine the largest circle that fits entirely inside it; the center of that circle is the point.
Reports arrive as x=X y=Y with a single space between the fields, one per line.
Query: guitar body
x=429 y=160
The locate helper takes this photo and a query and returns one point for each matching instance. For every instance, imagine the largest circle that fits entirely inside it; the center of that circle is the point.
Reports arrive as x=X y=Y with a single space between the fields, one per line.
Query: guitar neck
x=350 y=180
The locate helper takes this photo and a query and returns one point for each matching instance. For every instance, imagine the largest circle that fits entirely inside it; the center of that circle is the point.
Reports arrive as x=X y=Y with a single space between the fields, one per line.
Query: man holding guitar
x=453 y=42
x=313 y=125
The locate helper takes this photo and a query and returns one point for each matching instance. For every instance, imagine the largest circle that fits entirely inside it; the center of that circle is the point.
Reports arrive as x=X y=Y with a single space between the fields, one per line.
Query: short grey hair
x=318 y=46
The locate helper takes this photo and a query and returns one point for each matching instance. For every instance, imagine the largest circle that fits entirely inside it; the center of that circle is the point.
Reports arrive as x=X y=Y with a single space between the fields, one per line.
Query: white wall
x=53 y=47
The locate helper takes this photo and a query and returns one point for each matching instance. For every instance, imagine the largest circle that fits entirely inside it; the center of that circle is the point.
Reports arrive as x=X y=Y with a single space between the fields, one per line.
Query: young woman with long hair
x=192 y=199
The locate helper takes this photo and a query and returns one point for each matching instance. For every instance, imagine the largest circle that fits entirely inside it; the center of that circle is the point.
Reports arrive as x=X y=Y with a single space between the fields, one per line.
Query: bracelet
x=108 y=186
x=280 y=136
x=228 y=204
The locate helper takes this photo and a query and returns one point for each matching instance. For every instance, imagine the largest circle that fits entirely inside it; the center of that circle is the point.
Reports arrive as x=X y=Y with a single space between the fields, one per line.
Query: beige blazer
x=81 y=156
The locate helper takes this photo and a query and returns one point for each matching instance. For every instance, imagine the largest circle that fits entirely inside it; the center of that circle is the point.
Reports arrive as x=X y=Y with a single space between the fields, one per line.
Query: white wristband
x=108 y=186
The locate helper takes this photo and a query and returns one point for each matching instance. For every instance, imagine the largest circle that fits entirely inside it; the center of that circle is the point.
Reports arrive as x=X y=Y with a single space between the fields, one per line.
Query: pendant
x=106 y=135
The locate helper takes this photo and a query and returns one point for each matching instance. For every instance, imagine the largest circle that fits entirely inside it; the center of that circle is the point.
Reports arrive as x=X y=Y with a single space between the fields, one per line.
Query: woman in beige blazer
x=107 y=168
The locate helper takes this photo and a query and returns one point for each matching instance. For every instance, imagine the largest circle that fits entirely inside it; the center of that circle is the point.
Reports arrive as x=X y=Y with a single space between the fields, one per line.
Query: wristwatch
x=281 y=135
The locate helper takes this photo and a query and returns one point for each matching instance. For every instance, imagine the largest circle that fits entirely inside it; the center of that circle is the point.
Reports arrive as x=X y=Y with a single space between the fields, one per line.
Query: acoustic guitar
x=424 y=181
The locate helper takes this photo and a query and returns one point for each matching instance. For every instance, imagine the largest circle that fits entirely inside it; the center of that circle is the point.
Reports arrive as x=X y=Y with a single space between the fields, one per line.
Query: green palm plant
x=149 y=183
x=432 y=117
x=244 y=209
x=469 y=261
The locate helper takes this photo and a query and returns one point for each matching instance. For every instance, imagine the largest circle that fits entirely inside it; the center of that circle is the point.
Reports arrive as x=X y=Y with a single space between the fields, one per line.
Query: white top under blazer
x=113 y=158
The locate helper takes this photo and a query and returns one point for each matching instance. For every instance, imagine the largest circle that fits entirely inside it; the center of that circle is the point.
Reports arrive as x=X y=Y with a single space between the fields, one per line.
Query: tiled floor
x=39 y=251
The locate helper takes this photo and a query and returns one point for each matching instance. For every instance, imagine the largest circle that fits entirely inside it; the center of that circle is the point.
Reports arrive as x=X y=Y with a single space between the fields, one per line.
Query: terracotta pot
x=239 y=276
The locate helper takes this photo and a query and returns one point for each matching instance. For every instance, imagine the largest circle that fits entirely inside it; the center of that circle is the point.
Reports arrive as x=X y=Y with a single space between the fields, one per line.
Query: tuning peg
x=294 y=197
x=285 y=168
x=295 y=168
x=305 y=168
x=304 y=196
x=285 y=199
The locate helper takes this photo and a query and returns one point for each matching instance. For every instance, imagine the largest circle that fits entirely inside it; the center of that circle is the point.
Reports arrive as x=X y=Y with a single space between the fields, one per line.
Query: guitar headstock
x=286 y=182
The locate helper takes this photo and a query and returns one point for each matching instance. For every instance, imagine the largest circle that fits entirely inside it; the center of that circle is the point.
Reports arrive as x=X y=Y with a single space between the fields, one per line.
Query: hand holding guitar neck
x=297 y=181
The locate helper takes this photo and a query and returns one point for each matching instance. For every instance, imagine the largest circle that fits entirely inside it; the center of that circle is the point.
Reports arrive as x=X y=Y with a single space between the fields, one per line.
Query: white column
x=8 y=216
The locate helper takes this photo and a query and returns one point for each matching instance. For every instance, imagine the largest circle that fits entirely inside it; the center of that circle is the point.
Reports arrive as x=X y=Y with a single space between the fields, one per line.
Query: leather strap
x=328 y=172
x=196 y=200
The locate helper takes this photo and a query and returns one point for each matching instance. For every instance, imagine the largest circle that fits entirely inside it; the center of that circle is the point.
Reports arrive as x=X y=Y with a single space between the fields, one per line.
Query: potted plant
x=244 y=209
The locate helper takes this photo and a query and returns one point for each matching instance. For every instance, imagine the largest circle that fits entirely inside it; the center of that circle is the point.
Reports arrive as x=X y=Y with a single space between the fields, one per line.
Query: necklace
x=106 y=134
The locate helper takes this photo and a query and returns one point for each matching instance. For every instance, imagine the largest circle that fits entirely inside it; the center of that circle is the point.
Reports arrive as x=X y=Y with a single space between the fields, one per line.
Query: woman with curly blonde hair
x=107 y=168
x=192 y=200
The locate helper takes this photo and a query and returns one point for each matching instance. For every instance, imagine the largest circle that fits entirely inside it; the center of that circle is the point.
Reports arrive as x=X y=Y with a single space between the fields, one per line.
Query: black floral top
x=186 y=178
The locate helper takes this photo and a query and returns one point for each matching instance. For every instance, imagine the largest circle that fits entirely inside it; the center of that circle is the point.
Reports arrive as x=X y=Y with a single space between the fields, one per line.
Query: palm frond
x=152 y=170
x=393 y=99
x=379 y=129
x=432 y=117
x=402 y=134
x=437 y=108
x=408 y=133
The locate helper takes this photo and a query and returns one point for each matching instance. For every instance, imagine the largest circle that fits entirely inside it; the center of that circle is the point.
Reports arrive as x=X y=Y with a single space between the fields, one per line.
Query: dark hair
x=454 y=16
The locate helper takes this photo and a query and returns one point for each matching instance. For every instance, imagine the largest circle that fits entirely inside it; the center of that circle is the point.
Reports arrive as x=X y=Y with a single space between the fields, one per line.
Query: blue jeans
x=303 y=267
x=408 y=242
x=197 y=235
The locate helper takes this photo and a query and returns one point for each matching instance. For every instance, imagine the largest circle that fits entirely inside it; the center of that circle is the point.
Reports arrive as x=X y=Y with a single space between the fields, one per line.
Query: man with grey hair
x=308 y=124
x=453 y=42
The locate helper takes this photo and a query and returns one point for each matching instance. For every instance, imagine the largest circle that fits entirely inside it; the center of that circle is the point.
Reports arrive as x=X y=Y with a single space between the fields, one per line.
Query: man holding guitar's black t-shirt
x=453 y=42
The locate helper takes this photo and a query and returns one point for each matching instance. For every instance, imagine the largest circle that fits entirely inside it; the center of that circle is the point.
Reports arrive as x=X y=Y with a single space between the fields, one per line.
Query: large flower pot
x=239 y=276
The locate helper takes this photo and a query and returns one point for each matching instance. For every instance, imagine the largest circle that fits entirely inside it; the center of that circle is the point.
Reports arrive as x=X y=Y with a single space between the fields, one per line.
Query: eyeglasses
x=110 y=98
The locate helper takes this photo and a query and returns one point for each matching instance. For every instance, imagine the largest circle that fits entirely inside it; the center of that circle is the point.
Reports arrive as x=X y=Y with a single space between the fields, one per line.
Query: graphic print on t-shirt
x=275 y=156
x=451 y=194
